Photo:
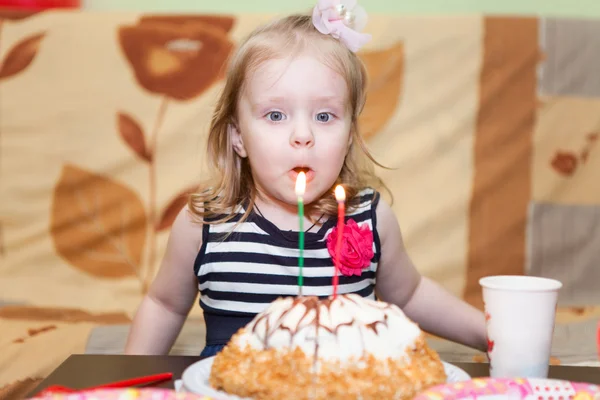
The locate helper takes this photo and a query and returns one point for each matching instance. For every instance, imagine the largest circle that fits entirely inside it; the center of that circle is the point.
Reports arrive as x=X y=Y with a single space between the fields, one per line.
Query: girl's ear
x=236 y=140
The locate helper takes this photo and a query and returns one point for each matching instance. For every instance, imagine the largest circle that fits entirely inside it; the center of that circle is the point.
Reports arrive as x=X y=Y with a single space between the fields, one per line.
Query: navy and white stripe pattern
x=258 y=263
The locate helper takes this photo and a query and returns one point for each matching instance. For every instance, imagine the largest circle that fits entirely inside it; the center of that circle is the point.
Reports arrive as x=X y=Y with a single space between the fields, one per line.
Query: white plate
x=195 y=379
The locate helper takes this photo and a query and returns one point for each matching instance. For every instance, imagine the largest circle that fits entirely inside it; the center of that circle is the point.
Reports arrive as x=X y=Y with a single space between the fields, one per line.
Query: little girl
x=291 y=102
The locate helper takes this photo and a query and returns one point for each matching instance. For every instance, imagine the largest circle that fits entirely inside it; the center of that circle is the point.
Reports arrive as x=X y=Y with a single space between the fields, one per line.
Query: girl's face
x=293 y=115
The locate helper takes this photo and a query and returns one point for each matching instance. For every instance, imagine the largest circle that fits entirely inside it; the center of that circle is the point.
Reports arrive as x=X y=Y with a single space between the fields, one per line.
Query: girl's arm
x=164 y=309
x=435 y=310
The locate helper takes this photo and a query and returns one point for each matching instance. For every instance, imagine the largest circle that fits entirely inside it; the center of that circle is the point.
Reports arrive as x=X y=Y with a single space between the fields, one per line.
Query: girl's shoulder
x=187 y=228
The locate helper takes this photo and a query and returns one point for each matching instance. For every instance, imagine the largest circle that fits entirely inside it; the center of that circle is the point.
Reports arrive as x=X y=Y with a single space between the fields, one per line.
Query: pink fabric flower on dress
x=342 y=19
x=356 y=250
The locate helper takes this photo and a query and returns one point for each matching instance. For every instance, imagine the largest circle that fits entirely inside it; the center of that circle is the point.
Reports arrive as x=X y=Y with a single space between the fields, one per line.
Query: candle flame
x=300 y=184
x=340 y=194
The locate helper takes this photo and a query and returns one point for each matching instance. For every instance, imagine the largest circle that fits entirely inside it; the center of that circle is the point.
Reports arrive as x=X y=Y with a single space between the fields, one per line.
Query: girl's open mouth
x=296 y=170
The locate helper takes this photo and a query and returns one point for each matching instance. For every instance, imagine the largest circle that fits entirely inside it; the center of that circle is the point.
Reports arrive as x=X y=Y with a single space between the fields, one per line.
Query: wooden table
x=81 y=371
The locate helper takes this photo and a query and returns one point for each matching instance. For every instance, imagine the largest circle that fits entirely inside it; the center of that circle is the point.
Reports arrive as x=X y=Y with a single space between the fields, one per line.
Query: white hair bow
x=342 y=19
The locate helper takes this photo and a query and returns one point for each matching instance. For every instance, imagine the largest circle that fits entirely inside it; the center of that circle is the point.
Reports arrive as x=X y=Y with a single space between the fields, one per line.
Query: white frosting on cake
x=348 y=326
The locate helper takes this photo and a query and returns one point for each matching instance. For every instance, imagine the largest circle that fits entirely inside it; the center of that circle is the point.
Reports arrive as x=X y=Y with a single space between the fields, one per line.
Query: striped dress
x=238 y=277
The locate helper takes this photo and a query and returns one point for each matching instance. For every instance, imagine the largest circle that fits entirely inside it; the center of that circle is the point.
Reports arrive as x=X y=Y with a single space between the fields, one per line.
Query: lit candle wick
x=300 y=184
x=340 y=194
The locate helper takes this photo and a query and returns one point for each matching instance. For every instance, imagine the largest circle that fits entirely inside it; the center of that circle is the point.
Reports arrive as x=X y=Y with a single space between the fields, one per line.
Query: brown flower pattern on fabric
x=61 y=314
x=19 y=389
x=31 y=332
x=17 y=14
x=590 y=141
x=385 y=68
x=132 y=133
x=567 y=162
x=172 y=209
x=97 y=224
x=20 y=56
x=225 y=23
x=177 y=57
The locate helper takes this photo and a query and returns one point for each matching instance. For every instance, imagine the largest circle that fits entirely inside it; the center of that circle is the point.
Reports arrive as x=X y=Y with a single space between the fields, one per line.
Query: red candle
x=340 y=196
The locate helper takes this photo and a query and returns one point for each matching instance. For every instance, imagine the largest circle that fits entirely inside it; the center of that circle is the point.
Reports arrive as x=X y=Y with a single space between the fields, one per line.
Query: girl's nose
x=302 y=136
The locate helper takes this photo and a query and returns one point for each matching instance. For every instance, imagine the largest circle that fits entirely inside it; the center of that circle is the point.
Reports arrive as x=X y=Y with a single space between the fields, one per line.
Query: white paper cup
x=520 y=313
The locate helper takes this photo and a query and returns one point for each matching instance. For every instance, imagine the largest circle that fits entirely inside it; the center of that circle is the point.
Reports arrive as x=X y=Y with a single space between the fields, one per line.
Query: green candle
x=300 y=187
x=301 y=243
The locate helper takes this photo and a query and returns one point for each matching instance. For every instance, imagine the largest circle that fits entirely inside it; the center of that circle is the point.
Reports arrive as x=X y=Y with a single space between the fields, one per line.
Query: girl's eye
x=323 y=117
x=275 y=116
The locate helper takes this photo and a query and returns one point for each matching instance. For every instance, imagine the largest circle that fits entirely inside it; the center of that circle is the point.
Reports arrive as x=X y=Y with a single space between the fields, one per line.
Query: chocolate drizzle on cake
x=277 y=325
x=373 y=325
x=313 y=316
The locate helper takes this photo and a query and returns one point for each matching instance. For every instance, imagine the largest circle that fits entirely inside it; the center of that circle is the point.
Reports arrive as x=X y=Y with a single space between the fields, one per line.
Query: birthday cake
x=346 y=347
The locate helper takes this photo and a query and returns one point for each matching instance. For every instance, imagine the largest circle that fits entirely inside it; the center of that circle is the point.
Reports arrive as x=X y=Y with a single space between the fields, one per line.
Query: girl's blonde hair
x=231 y=183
